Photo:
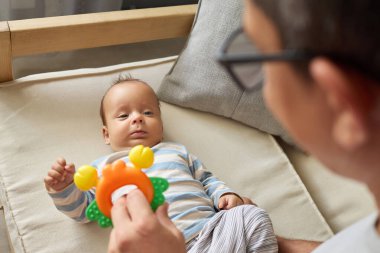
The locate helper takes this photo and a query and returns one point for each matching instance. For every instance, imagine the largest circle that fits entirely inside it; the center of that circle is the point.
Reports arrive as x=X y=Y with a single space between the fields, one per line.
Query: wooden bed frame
x=64 y=33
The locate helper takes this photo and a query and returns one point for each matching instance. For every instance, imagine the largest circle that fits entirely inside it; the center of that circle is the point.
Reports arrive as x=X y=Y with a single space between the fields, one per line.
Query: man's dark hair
x=346 y=31
x=120 y=79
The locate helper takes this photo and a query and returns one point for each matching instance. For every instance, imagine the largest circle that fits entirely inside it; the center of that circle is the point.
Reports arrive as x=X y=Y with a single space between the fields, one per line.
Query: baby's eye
x=148 y=113
x=123 y=116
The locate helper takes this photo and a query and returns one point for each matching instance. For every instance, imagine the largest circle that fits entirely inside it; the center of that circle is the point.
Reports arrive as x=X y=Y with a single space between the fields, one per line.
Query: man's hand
x=60 y=175
x=138 y=229
x=295 y=246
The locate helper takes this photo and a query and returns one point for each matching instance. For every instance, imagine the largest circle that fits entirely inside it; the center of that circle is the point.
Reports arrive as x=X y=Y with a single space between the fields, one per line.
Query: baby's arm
x=215 y=188
x=66 y=196
x=224 y=198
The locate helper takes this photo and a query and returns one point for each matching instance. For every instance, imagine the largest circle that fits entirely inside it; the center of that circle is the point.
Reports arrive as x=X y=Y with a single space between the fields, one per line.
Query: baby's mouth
x=138 y=134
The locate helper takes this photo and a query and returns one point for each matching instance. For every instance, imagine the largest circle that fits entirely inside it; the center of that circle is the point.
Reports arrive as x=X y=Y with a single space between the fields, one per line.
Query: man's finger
x=138 y=206
x=162 y=215
x=112 y=243
x=119 y=214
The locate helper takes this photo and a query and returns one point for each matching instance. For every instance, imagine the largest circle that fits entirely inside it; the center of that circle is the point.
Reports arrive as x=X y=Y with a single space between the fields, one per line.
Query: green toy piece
x=159 y=184
x=94 y=214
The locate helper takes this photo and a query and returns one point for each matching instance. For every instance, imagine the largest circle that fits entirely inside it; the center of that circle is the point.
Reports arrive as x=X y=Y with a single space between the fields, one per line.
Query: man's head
x=131 y=115
x=329 y=104
x=343 y=30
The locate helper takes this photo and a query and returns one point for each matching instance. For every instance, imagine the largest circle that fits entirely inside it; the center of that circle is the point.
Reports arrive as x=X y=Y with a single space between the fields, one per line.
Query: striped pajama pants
x=245 y=228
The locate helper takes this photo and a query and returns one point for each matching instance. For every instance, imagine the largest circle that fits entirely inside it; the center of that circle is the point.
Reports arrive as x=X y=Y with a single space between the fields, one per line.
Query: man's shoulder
x=359 y=237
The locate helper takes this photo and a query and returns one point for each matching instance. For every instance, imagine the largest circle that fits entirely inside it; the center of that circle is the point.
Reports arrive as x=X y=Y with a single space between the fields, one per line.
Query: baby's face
x=132 y=116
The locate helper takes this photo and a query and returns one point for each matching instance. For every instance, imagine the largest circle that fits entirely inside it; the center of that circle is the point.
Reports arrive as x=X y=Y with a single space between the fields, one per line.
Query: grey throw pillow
x=197 y=81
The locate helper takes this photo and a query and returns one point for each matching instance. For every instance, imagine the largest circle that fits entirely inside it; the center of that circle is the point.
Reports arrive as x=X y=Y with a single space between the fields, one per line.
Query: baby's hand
x=60 y=175
x=229 y=200
x=248 y=201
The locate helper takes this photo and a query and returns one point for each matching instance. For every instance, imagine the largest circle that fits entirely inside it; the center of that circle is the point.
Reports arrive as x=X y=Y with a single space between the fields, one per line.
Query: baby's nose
x=137 y=118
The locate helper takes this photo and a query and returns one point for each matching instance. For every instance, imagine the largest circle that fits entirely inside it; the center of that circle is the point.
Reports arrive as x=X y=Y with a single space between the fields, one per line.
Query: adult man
x=322 y=65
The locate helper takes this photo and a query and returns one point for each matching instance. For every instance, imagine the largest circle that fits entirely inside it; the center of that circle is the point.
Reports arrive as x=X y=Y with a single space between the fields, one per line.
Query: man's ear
x=349 y=98
x=106 y=135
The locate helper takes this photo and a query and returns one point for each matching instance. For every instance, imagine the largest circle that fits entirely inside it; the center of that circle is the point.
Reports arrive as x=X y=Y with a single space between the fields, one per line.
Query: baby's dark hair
x=122 y=78
x=345 y=31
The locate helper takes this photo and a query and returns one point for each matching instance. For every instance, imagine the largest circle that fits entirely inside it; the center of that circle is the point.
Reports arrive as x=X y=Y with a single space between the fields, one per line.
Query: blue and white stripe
x=193 y=193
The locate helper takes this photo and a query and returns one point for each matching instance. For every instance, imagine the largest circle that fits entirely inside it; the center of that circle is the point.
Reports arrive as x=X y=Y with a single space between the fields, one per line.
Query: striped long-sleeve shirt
x=193 y=192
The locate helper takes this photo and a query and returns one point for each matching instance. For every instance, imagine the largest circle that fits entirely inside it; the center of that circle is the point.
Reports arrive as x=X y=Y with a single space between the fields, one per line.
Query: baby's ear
x=106 y=135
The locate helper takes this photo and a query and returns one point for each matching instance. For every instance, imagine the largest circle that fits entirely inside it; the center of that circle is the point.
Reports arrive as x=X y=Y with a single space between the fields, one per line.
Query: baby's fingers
x=58 y=168
x=61 y=161
x=49 y=181
x=248 y=201
x=56 y=175
x=230 y=204
x=70 y=168
x=222 y=203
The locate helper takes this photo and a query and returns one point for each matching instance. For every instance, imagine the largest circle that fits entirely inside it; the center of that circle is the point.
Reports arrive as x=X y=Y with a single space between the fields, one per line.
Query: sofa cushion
x=341 y=201
x=197 y=81
x=56 y=114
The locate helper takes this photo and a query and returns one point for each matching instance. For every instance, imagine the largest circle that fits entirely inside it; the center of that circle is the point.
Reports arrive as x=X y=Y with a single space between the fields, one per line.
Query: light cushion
x=50 y=115
x=341 y=201
x=197 y=81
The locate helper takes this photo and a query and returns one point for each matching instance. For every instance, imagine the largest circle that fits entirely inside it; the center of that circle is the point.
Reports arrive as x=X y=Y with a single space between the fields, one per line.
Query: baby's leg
x=241 y=229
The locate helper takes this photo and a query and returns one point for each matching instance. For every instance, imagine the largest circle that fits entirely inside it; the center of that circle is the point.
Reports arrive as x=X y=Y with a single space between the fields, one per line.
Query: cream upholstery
x=340 y=200
x=199 y=82
x=49 y=115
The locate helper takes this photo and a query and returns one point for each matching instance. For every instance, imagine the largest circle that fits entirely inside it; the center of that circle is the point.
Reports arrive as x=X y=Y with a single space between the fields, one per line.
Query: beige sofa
x=44 y=116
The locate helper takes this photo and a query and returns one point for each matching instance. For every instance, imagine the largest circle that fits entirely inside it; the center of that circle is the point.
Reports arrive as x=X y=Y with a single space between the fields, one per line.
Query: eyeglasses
x=238 y=56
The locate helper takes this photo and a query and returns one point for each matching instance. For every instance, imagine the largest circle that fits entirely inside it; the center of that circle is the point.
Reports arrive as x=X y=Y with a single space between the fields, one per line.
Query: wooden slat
x=5 y=53
x=64 y=33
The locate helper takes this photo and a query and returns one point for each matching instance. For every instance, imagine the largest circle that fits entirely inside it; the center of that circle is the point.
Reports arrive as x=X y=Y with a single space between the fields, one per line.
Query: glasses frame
x=227 y=61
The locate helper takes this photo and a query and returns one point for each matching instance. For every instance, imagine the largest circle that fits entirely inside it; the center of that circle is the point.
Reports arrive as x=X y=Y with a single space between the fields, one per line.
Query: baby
x=201 y=206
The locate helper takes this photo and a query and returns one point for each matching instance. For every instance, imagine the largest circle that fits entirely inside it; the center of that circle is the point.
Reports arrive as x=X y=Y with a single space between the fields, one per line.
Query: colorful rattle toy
x=117 y=175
